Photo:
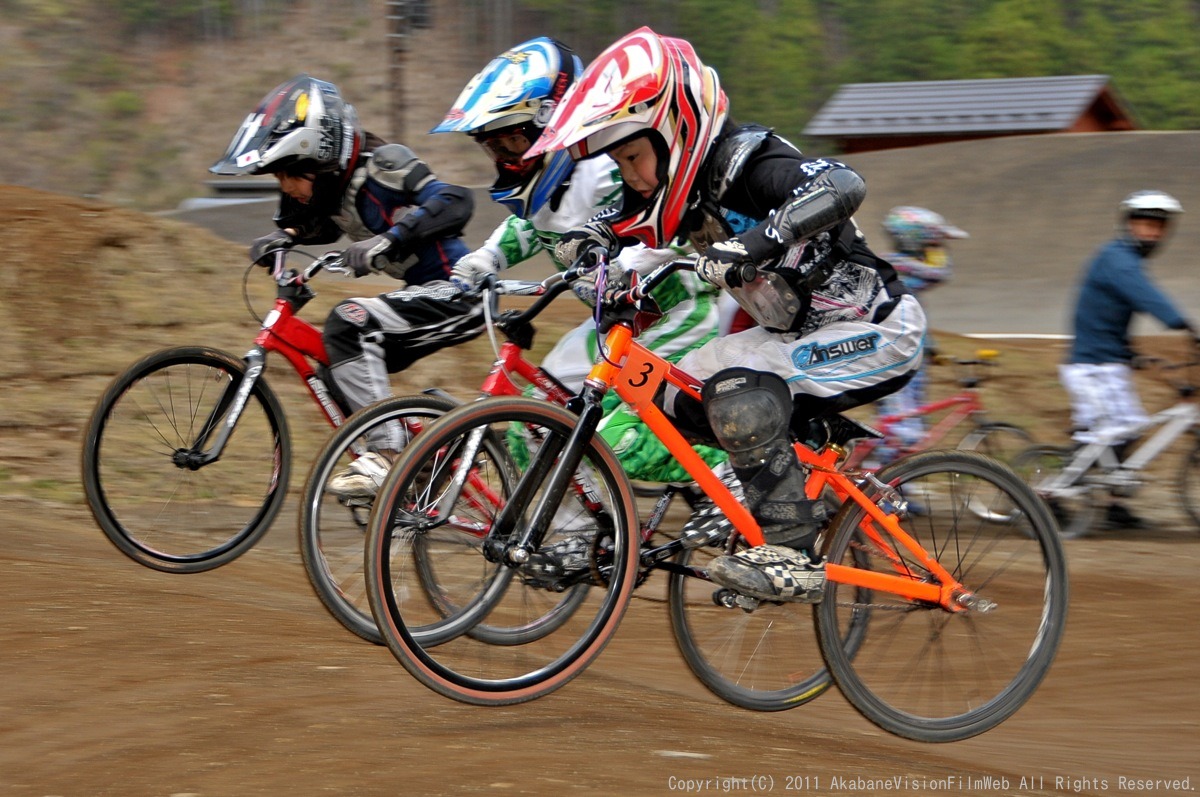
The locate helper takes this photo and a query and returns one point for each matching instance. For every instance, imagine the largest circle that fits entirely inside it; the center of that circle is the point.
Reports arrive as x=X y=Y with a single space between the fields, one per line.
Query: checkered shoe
x=771 y=572
x=708 y=524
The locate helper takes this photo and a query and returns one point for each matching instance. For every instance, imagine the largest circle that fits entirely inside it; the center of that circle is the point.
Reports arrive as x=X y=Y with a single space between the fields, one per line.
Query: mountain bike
x=996 y=439
x=187 y=454
x=1075 y=480
x=936 y=624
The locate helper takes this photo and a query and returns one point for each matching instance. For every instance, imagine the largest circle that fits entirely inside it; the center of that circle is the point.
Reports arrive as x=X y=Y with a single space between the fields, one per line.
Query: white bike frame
x=1174 y=422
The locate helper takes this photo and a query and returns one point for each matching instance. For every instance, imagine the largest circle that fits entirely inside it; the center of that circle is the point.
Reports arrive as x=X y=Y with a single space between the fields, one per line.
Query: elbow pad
x=830 y=199
x=444 y=214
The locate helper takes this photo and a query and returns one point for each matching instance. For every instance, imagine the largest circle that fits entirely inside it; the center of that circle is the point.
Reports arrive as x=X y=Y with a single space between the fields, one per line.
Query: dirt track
x=117 y=680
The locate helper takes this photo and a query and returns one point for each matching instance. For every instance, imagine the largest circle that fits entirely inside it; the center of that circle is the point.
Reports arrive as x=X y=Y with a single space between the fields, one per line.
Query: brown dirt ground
x=117 y=680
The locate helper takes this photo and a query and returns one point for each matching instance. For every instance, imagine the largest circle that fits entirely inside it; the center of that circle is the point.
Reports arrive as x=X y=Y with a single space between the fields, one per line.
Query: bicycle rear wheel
x=430 y=580
x=1002 y=441
x=923 y=672
x=1189 y=483
x=152 y=504
x=1075 y=507
x=763 y=657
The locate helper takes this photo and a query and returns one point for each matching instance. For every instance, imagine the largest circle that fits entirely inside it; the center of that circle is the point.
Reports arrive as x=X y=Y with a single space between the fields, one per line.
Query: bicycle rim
x=764 y=657
x=1075 y=507
x=1002 y=441
x=429 y=582
x=925 y=673
x=333 y=528
x=155 y=509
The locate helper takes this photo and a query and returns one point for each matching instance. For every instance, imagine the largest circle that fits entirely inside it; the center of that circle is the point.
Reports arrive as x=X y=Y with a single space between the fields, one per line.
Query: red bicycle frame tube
x=298 y=341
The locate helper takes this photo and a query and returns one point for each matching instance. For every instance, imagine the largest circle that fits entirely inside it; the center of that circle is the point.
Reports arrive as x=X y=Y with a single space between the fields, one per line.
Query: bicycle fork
x=229 y=406
x=498 y=546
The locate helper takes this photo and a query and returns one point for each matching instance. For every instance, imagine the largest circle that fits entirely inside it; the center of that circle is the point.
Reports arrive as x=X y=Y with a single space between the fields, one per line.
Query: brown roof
x=967 y=107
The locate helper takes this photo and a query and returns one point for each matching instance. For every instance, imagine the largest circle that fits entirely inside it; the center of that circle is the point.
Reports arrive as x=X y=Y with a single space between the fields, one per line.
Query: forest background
x=129 y=101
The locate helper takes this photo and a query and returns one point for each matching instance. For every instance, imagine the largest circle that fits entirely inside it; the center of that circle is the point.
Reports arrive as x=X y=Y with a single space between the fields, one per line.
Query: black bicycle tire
x=618 y=589
x=982 y=439
x=974 y=439
x=94 y=492
x=484 y=631
x=803 y=691
x=328 y=587
x=1189 y=483
x=983 y=716
x=331 y=589
x=1073 y=520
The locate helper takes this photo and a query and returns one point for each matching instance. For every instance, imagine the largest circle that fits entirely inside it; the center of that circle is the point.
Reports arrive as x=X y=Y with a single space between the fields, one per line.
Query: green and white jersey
x=594 y=185
x=688 y=303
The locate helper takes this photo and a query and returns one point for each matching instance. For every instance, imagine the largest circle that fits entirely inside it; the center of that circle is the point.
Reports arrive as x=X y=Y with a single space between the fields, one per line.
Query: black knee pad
x=748 y=410
x=343 y=331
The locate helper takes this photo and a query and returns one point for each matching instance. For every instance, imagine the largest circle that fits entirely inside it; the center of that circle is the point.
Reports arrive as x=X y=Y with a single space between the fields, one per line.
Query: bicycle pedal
x=730 y=599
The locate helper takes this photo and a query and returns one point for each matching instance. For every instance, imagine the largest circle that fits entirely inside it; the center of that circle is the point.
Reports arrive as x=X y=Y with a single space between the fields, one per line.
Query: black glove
x=271 y=242
x=722 y=262
x=360 y=255
x=583 y=242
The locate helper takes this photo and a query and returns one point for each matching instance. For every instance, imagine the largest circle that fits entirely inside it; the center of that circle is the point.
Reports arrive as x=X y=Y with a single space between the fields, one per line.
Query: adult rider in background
x=1098 y=373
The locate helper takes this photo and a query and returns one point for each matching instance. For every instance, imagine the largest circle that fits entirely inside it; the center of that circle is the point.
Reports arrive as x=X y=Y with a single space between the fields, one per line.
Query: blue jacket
x=1115 y=287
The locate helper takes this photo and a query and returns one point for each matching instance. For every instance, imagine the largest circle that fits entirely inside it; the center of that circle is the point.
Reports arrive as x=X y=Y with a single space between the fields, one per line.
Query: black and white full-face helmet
x=301 y=126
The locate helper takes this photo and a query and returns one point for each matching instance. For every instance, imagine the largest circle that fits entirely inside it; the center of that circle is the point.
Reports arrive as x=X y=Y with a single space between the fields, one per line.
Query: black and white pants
x=369 y=338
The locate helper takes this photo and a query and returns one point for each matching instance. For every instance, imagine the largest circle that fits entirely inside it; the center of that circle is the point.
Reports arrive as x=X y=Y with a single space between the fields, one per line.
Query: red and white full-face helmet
x=644 y=84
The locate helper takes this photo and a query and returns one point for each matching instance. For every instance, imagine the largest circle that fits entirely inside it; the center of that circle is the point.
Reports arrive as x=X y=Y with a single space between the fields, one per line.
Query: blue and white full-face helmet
x=505 y=107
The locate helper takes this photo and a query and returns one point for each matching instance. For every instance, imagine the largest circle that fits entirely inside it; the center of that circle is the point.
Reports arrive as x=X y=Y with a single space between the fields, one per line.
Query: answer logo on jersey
x=814 y=355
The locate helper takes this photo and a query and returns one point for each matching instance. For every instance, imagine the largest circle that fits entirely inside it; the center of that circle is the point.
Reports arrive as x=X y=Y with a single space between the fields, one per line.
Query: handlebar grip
x=747 y=273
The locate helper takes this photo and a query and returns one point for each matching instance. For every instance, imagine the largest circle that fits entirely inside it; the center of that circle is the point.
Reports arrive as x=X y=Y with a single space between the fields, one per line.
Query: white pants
x=1104 y=402
x=839 y=358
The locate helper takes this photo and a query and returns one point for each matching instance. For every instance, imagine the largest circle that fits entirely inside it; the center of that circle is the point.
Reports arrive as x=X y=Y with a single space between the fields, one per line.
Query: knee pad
x=344 y=328
x=748 y=410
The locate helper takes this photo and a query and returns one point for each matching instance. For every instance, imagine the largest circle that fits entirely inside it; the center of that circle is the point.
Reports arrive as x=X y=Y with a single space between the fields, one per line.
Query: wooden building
x=862 y=117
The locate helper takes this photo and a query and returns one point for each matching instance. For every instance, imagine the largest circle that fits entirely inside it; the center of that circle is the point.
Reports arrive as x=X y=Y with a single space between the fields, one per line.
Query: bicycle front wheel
x=1074 y=506
x=141 y=474
x=923 y=672
x=436 y=570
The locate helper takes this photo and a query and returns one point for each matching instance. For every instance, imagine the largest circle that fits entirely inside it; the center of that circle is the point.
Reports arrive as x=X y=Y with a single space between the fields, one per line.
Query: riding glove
x=360 y=255
x=586 y=242
x=473 y=267
x=720 y=263
x=267 y=244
